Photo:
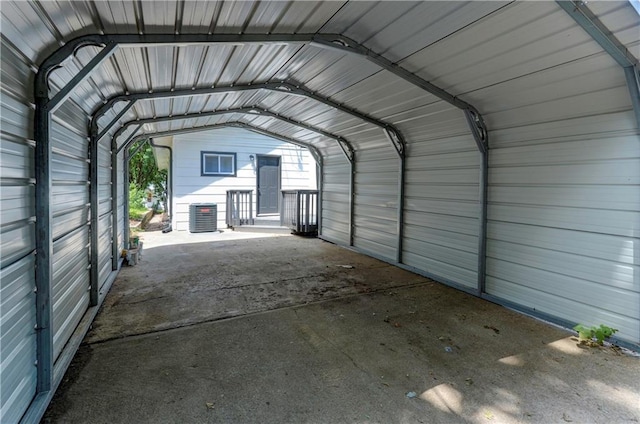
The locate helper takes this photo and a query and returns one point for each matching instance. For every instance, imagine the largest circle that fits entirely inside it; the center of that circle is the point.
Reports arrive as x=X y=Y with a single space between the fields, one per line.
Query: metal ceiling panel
x=306 y=17
x=622 y=20
x=598 y=72
x=197 y=17
x=158 y=17
x=415 y=26
x=233 y=16
x=29 y=29
x=522 y=38
x=383 y=95
x=117 y=16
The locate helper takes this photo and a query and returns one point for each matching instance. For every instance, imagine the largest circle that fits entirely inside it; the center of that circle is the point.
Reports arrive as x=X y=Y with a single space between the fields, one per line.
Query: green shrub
x=600 y=333
x=137 y=209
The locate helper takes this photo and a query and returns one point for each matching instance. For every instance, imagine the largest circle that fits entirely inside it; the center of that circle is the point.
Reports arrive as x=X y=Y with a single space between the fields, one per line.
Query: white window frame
x=219 y=155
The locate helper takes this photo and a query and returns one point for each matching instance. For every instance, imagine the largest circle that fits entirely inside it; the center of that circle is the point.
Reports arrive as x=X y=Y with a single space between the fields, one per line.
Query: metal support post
x=401 y=149
x=481 y=137
x=633 y=83
x=593 y=26
x=44 y=247
x=352 y=198
x=93 y=199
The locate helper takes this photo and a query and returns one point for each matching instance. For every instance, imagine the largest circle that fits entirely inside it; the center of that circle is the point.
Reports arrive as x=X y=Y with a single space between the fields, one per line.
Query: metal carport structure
x=394 y=97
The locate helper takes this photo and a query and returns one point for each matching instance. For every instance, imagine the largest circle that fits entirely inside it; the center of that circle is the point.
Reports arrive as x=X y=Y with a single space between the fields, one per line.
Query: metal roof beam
x=280 y=87
x=235 y=124
x=584 y=17
x=62 y=95
x=581 y=13
x=54 y=60
x=111 y=123
x=347 y=45
x=474 y=120
x=255 y=111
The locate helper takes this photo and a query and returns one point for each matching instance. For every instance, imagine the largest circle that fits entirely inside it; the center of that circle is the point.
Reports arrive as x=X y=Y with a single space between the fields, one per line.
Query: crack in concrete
x=227 y=317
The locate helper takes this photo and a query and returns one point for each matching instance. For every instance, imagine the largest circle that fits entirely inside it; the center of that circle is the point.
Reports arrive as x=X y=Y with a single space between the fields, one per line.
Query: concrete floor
x=245 y=328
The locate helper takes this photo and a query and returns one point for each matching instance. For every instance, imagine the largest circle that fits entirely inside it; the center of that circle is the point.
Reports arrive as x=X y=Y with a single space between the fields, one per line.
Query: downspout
x=125 y=172
x=169 y=178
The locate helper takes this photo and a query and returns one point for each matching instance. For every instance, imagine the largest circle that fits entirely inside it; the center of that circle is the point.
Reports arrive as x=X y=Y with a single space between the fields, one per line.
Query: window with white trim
x=217 y=164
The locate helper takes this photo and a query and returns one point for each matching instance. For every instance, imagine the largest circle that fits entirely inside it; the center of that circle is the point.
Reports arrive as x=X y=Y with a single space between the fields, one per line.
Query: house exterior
x=205 y=165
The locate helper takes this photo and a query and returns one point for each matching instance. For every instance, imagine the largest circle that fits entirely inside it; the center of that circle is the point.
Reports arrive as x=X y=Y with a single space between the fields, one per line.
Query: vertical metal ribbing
x=44 y=246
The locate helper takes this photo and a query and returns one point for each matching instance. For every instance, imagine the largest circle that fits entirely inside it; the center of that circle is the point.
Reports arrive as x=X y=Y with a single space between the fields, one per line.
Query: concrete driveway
x=250 y=328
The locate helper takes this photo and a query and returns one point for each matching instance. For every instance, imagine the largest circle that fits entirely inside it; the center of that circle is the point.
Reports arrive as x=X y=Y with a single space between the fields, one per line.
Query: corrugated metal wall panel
x=376 y=200
x=18 y=348
x=17 y=236
x=335 y=196
x=559 y=240
x=441 y=207
x=70 y=262
x=70 y=284
x=105 y=226
x=104 y=248
x=564 y=167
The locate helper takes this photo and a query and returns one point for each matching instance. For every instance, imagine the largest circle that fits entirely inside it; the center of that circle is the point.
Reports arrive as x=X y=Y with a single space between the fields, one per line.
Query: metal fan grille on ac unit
x=203 y=217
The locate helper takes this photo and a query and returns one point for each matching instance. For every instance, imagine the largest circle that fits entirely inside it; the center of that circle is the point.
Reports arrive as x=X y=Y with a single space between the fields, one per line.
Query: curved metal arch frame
x=48 y=378
x=249 y=110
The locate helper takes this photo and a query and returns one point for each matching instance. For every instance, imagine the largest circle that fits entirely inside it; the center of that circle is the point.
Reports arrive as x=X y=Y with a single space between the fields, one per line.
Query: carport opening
x=231 y=179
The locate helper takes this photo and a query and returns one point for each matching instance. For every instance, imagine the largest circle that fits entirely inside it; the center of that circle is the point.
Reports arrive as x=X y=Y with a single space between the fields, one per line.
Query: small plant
x=599 y=333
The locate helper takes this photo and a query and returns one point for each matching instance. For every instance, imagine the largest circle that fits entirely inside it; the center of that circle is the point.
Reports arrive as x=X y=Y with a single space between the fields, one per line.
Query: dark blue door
x=268 y=184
